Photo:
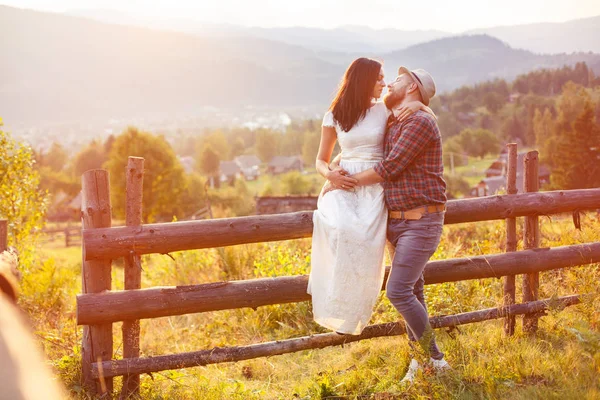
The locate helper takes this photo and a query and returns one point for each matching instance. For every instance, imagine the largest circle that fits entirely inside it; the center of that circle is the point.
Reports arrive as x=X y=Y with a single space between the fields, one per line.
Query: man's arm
x=367 y=177
x=416 y=134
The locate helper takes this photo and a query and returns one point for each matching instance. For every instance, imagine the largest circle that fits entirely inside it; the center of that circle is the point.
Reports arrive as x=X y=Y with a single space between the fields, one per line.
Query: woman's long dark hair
x=353 y=98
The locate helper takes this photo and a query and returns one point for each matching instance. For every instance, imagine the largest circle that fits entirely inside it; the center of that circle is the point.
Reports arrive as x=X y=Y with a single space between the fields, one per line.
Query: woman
x=349 y=232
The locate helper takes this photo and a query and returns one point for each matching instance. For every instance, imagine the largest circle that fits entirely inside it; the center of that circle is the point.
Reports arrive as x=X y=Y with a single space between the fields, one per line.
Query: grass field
x=562 y=361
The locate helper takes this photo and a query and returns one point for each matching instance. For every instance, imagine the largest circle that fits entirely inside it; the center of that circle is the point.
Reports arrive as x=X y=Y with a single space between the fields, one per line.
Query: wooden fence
x=71 y=234
x=98 y=307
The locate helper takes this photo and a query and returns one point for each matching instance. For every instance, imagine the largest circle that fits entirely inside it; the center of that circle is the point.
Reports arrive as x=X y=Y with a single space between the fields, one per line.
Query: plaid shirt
x=413 y=169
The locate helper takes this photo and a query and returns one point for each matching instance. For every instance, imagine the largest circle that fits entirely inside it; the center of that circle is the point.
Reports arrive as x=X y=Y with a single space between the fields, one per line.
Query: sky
x=446 y=15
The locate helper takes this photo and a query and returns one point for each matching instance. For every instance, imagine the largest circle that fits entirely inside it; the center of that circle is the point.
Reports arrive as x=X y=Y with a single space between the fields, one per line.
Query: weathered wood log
x=511 y=236
x=165 y=301
x=96 y=277
x=8 y=266
x=3 y=235
x=9 y=275
x=531 y=233
x=169 y=237
x=133 y=270
x=239 y=353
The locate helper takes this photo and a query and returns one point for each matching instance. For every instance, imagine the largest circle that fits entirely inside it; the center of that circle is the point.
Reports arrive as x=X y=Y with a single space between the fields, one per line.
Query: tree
x=456 y=186
x=513 y=129
x=55 y=159
x=543 y=129
x=474 y=142
x=267 y=145
x=91 y=157
x=219 y=143
x=576 y=158
x=22 y=202
x=295 y=183
x=238 y=147
x=493 y=102
x=209 y=162
x=164 y=179
x=310 y=147
x=449 y=125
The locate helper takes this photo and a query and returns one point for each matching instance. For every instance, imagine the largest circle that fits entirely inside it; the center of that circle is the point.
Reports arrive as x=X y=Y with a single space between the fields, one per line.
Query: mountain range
x=59 y=67
x=579 y=35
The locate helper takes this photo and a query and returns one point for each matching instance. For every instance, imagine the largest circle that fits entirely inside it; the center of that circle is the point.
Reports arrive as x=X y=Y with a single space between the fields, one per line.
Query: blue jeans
x=414 y=242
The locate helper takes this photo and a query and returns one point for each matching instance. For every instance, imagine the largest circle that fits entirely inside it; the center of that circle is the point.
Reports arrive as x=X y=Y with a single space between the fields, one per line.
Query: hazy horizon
x=455 y=17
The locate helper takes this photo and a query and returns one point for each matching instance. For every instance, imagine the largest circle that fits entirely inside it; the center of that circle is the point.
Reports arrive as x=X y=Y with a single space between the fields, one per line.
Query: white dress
x=349 y=233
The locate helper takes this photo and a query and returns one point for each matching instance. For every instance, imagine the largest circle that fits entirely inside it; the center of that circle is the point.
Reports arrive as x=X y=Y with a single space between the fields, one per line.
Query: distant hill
x=460 y=60
x=580 y=35
x=566 y=37
x=58 y=67
x=344 y=39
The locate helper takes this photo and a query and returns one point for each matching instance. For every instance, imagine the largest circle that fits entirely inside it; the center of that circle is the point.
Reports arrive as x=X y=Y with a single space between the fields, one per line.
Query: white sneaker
x=440 y=365
x=411 y=373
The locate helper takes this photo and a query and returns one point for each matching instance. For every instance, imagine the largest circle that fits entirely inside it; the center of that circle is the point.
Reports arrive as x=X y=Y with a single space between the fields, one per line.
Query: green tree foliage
x=208 y=161
x=550 y=82
x=456 y=186
x=93 y=156
x=55 y=159
x=543 y=129
x=267 y=144
x=454 y=155
x=513 y=129
x=193 y=198
x=473 y=142
x=22 y=202
x=238 y=147
x=449 y=125
x=53 y=175
x=295 y=183
x=219 y=144
x=494 y=101
x=576 y=157
x=164 y=179
x=310 y=148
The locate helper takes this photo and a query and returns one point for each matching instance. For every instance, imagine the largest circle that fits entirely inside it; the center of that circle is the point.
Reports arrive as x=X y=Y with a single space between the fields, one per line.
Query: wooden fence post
x=3 y=235
x=96 y=277
x=133 y=271
x=511 y=237
x=531 y=233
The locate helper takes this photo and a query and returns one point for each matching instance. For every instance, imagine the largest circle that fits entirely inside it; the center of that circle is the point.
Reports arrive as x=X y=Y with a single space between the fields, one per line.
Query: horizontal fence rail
x=239 y=353
x=99 y=308
x=164 y=238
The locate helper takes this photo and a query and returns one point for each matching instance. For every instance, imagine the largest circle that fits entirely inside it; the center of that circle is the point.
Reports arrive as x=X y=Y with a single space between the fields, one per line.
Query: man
x=412 y=175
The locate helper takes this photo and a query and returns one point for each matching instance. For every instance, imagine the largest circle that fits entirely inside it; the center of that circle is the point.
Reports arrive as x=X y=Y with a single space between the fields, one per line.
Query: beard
x=391 y=100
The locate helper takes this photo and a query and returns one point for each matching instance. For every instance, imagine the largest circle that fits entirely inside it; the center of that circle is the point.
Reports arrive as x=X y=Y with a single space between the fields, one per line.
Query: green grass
x=561 y=361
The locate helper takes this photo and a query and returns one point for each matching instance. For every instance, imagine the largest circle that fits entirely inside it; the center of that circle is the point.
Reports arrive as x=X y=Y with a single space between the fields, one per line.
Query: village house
x=188 y=163
x=282 y=164
x=229 y=171
x=249 y=166
x=495 y=179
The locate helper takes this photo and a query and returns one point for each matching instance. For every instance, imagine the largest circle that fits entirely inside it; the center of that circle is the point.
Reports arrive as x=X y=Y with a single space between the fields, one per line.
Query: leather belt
x=417 y=213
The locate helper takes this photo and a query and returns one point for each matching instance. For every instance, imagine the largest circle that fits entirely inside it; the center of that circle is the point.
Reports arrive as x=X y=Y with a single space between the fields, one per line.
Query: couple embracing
x=386 y=183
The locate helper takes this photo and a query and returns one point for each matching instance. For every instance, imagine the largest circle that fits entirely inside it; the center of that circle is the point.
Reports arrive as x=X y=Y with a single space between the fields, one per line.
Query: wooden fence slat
x=96 y=276
x=531 y=233
x=166 y=301
x=511 y=236
x=133 y=270
x=239 y=353
x=3 y=235
x=177 y=236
